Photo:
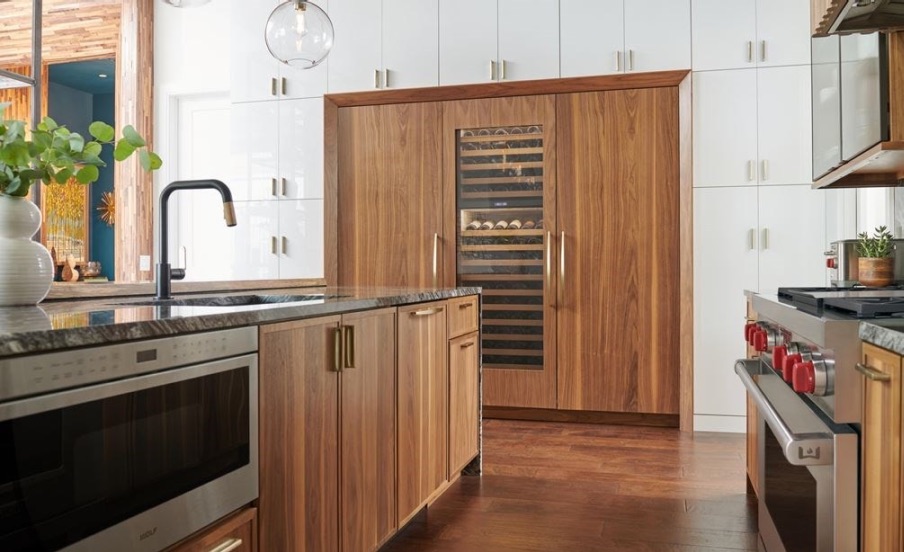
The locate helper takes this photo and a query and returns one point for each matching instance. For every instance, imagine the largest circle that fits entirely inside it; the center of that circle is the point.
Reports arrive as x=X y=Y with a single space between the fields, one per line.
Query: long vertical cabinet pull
x=751 y=238
x=549 y=267
x=273 y=245
x=751 y=170
x=502 y=77
x=630 y=60
x=337 y=350
x=348 y=345
x=618 y=61
x=376 y=78
x=435 y=259
x=762 y=50
x=273 y=86
x=764 y=172
x=562 y=269
x=764 y=239
x=749 y=51
x=285 y=245
x=492 y=69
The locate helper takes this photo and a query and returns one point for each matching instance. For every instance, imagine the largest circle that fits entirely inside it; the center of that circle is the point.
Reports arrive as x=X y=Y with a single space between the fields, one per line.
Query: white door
x=657 y=34
x=725 y=128
x=528 y=39
x=592 y=37
x=410 y=43
x=792 y=237
x=467 y=41
x=301 y=149
x=253 y=68
x=725 y=264
x=301 y=238
x=783 y=32
x=784 y=132
x=253 y=149
x=724 y=34
x=357 y=55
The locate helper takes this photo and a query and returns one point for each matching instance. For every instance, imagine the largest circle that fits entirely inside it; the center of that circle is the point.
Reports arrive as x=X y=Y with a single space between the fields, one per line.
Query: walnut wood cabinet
x=601 y=318
x=882 y=465
x=235 y=533
x=753 y=471
x=422 y=406
x=464 y=396
x=327 y=439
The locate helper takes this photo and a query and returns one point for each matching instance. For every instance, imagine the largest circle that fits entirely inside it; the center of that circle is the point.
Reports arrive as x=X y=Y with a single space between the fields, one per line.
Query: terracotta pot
x=876 y=272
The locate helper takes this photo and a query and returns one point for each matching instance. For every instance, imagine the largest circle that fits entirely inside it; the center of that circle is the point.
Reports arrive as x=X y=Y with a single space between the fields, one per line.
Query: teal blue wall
x=102 y=242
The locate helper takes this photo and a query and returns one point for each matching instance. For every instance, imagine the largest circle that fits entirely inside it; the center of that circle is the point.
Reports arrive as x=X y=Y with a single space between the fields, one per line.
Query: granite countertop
x=887 y=333
x=68 y=324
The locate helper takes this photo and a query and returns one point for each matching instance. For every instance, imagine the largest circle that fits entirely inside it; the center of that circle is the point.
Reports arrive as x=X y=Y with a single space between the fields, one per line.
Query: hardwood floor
x=581 y=487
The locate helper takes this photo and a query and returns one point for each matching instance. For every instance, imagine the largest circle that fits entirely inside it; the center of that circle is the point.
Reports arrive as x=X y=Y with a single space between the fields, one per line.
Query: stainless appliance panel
x=862 y=121
x=826 y=88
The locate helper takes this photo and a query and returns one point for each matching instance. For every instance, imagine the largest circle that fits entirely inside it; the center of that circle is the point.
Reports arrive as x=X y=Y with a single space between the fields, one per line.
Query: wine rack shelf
x=501 y=240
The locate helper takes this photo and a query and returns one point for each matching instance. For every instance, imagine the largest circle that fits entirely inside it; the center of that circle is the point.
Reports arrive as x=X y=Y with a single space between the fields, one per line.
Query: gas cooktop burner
x=861 y=302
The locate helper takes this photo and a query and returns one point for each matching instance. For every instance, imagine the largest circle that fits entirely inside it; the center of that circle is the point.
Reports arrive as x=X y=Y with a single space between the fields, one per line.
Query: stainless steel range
x=808 y=396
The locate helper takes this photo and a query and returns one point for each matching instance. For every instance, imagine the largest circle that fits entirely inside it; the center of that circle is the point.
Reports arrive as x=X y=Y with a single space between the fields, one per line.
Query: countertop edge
x=48 y=339
x=880 y=336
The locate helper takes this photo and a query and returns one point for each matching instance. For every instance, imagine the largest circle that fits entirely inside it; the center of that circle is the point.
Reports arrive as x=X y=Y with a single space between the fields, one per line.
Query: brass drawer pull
x=337 y=350
x=871 y=373
x=228 y=546
x=427 y=312
x=465 y=305
x=468 y=344
x=348 y=333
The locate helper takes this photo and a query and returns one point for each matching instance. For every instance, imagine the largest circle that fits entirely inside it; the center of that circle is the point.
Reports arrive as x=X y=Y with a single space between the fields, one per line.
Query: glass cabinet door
x=502 y=242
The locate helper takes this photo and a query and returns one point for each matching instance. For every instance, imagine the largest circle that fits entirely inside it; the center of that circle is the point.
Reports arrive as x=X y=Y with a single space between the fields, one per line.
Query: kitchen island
x=345 y=411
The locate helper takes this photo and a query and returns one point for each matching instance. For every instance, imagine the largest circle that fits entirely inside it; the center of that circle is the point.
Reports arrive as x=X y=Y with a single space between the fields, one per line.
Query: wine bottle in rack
x=487 y=225
x=501 y=225
x=515 y=225
x=473 y=225
x=529 y=225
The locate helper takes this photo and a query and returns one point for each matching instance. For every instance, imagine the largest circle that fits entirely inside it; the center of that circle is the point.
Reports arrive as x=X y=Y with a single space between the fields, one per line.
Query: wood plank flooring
x=581 y=487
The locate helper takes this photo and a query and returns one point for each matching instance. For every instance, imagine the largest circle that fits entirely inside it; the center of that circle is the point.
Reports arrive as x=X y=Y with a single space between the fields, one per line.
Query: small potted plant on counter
x=51 y=154
x=876 y=265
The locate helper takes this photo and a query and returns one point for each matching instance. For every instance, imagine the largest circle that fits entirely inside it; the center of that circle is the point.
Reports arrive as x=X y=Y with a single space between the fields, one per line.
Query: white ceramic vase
x=26 y=269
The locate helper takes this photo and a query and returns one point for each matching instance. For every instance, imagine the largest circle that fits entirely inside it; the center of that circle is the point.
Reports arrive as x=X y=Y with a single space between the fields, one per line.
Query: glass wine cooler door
x=501 y=239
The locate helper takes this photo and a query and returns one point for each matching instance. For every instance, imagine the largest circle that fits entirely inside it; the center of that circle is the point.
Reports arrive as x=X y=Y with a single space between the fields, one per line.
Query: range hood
x=853 y=16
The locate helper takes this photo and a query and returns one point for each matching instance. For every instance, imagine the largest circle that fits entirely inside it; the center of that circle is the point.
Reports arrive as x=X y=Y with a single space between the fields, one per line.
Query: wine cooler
x=502 y=242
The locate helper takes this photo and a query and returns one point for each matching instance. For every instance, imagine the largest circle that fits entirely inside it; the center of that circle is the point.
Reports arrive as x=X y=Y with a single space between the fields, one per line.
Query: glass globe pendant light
x=299 y=34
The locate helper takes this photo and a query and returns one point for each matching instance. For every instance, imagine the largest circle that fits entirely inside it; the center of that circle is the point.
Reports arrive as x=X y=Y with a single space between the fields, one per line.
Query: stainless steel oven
x=808 y=469
x=127 y=447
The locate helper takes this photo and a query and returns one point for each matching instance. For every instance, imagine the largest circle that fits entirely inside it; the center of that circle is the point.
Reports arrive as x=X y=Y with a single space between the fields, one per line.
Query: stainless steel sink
x=235 y=300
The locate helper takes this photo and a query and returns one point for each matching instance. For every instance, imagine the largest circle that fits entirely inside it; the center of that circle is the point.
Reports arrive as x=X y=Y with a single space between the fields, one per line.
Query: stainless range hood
x=868 y=15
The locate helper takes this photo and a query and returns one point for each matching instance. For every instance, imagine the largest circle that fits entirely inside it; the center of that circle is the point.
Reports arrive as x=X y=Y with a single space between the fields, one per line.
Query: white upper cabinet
x=592 y=37
x=783 y=32
x=301 y=149
x=467 y=41
x=300 y=240
x=356 y=60
x=256 y=75
x=784 y=122
x=792 y=227
x=487 y=40
x=410 y=43
x=733 y=34
x=657 y=35
x=254 y=150
x=724 y=34
x=617 y=36
x=725 y=128
x=388 y=44
x=528 y=39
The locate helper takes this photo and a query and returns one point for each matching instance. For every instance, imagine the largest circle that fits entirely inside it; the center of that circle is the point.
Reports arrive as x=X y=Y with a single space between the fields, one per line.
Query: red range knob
x=760 y=340
x=778 y=356
x=831 y=263
x=748 y=330
x=804 y=378
x=788 y=366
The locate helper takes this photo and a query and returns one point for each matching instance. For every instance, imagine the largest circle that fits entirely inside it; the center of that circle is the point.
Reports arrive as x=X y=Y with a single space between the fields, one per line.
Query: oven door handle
x=801 y=449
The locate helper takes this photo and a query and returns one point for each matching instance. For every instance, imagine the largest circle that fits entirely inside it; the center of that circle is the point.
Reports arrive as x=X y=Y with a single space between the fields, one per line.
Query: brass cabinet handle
x=376 y=78
x=285 y=184
x=273 y=86
x=549 y=261
x=427 y=312
x=764 y=173
x=871 y=373
x=762 y=50
x=273 y=187
x=283 y=86
x=273 y=245
x=502 y=77
x=348 y=345
x=337 y=349
x=436 y=241
x=618 y=61
x=492 y=69
x=227 y=546
x=467 y=344
x=467 y=305
x=751 y=170
x=630 y=60
x=562 y=270
x=386 y=79
x=285 y=245
x=749 y=51
x=765 y=239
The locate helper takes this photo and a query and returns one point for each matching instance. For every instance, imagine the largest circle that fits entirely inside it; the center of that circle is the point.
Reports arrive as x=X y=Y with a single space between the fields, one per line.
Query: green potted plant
x=49 y=154
x=875 y=265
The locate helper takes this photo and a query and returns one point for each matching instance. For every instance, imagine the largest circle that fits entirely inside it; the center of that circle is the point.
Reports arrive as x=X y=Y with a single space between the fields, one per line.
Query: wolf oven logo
x=809 y=453
x=147 y=534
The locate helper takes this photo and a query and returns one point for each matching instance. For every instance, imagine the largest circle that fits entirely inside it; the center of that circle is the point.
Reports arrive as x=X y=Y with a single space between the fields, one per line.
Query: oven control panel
x=805 y=367
x=38 y=374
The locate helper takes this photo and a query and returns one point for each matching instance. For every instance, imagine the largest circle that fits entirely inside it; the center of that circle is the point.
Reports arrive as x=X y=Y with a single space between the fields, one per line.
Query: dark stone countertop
x=54 y=326
x=887 y=333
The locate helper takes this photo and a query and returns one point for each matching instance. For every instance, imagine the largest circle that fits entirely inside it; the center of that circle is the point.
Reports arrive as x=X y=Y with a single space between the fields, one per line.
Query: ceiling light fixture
x=299 y=34
x=185 y=3
x=102 y=75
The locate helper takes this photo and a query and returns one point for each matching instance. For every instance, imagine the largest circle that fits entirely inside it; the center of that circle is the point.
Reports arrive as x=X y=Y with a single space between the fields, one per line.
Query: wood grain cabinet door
x=618 y=251
x=367 y=457
x=882 y=484
x=389 y=196
x=299 y=437
x=422 y=405
x=464 y=391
